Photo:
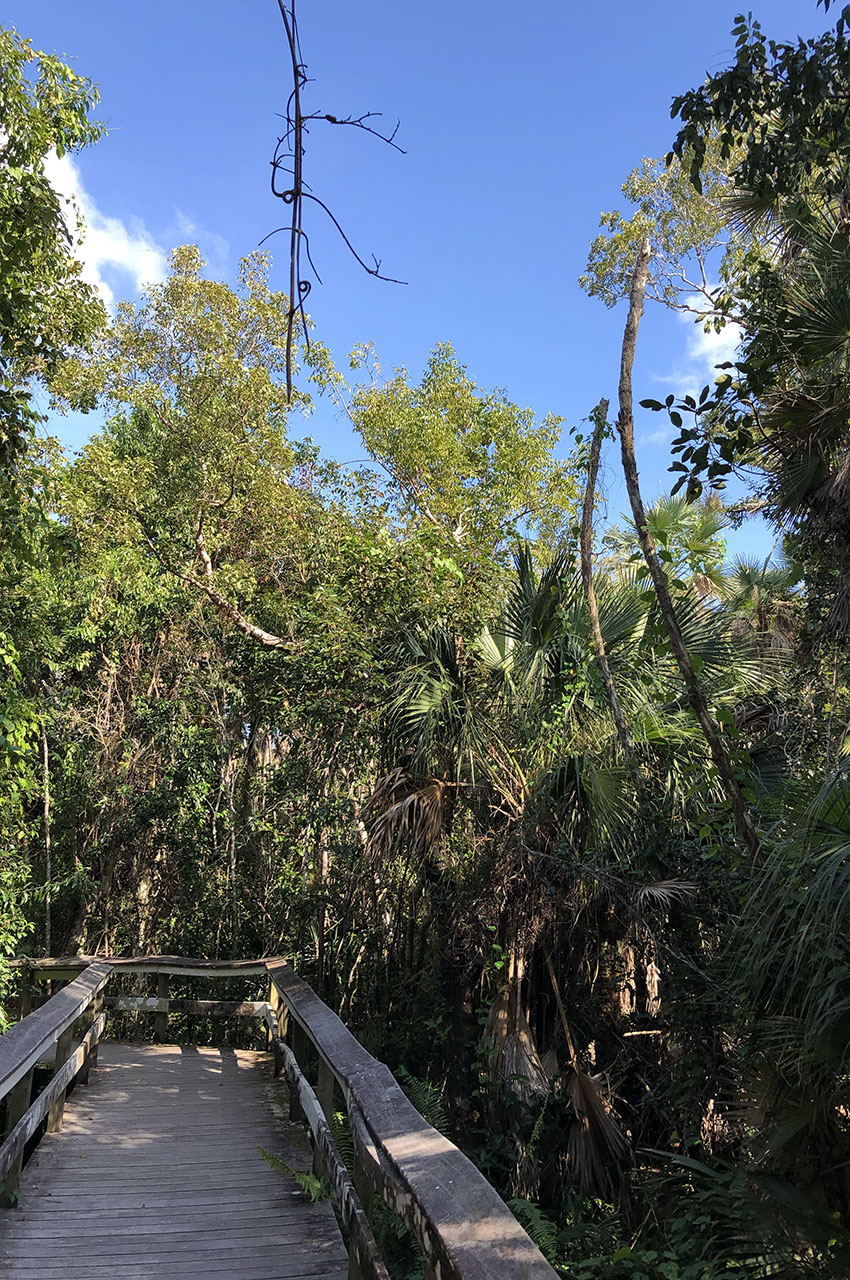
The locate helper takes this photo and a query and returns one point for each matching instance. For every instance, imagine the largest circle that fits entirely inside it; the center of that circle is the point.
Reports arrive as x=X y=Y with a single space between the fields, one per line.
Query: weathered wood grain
x=364 y=1255
x=17 y=1138
x=42 y=968
x=157 y=1171
x=465 y=1230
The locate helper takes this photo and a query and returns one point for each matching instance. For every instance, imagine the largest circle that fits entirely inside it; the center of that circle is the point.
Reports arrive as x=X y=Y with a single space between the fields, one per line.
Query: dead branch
x=289 y=158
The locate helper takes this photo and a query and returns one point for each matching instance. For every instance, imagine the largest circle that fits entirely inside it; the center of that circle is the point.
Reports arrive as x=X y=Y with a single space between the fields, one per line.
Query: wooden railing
x=463 y=1228
x=52 y=1029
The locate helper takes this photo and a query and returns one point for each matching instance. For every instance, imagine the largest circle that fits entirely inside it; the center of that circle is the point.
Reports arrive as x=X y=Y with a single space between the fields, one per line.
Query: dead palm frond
x=597 y=1148
x=511 y=1047
x=663 y=894
x=406 y=809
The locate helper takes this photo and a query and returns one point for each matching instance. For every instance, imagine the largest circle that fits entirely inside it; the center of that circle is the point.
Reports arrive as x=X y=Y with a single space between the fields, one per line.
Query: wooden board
x=157 y=1172
x=184 y=966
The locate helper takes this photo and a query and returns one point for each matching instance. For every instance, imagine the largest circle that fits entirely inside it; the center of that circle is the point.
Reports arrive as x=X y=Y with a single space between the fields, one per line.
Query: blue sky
x=519 y=127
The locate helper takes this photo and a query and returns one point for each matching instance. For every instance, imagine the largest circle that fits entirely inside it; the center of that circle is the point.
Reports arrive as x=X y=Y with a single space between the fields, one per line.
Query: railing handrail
x=179 y=966
x=30 y=1039
x=460 y=1220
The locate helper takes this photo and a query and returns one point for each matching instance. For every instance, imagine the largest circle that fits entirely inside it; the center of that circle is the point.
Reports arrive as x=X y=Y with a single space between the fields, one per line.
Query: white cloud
x=703 y=352
x=662 y=436
x=695 y=366
x=707 y=350
x=108 y=244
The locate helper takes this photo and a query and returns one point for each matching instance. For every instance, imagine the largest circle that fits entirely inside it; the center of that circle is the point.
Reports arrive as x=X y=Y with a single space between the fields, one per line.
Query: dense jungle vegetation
x=560 y=823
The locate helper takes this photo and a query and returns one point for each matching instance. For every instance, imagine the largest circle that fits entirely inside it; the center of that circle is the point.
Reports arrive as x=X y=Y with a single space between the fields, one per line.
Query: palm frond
x=663 y=894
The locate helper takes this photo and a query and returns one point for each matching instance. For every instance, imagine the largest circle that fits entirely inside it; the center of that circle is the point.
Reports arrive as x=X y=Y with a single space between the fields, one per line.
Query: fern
x=341 y=1133
x=397 y=1244
x=534 y=1221
x=426 y=1099
x=316 y=1188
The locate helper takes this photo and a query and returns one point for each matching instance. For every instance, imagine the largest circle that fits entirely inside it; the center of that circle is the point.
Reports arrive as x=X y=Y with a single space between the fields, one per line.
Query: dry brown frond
x=521 y=1065
x=511 y=1048
x=408 y=809
x=596 y=1145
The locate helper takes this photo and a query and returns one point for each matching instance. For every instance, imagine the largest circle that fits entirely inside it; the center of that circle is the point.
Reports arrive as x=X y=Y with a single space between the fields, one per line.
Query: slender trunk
x=48 y=862
x=625 y=425
x=322 y=915
x=600 y=416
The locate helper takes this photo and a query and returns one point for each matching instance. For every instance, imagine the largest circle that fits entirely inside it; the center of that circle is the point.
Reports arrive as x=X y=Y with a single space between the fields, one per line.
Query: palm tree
x=761 y=594
x=790 y=960
x=796 y=361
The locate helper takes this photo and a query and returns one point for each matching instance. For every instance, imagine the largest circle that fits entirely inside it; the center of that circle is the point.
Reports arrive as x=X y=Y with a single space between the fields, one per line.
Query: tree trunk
x=625 y=425
x=600 y=416
x=48 y=867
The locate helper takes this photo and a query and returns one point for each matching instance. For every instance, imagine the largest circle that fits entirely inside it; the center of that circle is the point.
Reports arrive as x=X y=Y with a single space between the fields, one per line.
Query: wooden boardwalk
x=157 y=1173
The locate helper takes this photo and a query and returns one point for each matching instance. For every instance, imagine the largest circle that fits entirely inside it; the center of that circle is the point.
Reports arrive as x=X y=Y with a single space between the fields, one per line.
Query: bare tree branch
x=227 y=607
x=290 y=148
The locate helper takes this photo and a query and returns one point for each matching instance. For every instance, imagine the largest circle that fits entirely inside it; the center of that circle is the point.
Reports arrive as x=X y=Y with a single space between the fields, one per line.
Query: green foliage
x=45 y=307
x=342 y=1136
x=358 y=716
x=473 y=466
x=782 y=409
x=777 y=113
x=314 y=1188
x=397 y=1244
x=427 y=1100
x=543 y=1231
x=693 y=244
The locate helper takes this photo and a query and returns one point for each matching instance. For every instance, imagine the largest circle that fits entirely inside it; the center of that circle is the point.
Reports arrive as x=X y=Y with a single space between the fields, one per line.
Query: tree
x=473 y=466
x=778 y=118
x=45 y=310
x=195 y=465
x=45 y=306
x=697 y=253
x=758 y=176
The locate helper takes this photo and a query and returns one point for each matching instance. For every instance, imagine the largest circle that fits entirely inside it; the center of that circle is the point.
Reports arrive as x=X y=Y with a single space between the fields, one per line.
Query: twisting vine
x=289 y=159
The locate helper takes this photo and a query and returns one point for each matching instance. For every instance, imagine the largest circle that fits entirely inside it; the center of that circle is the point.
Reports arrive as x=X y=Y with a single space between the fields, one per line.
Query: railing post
x=325 y=1096
x=97 y=1008
x=63 y=1052
x=17 y=1104
x=91 y=1057
x=26 y=991
x=325 y=1090
x=355 y=1271
x=365 y=1194
x=274 y=1005
x=298 y=1044
x=160 y=1022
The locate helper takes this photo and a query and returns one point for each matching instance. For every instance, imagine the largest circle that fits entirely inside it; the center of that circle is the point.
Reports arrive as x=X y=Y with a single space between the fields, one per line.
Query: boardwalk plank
x=157 y=1172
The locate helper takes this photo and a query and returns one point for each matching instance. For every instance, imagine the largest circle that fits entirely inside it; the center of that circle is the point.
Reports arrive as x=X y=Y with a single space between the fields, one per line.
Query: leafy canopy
x=467 y=461
x=45 y=306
